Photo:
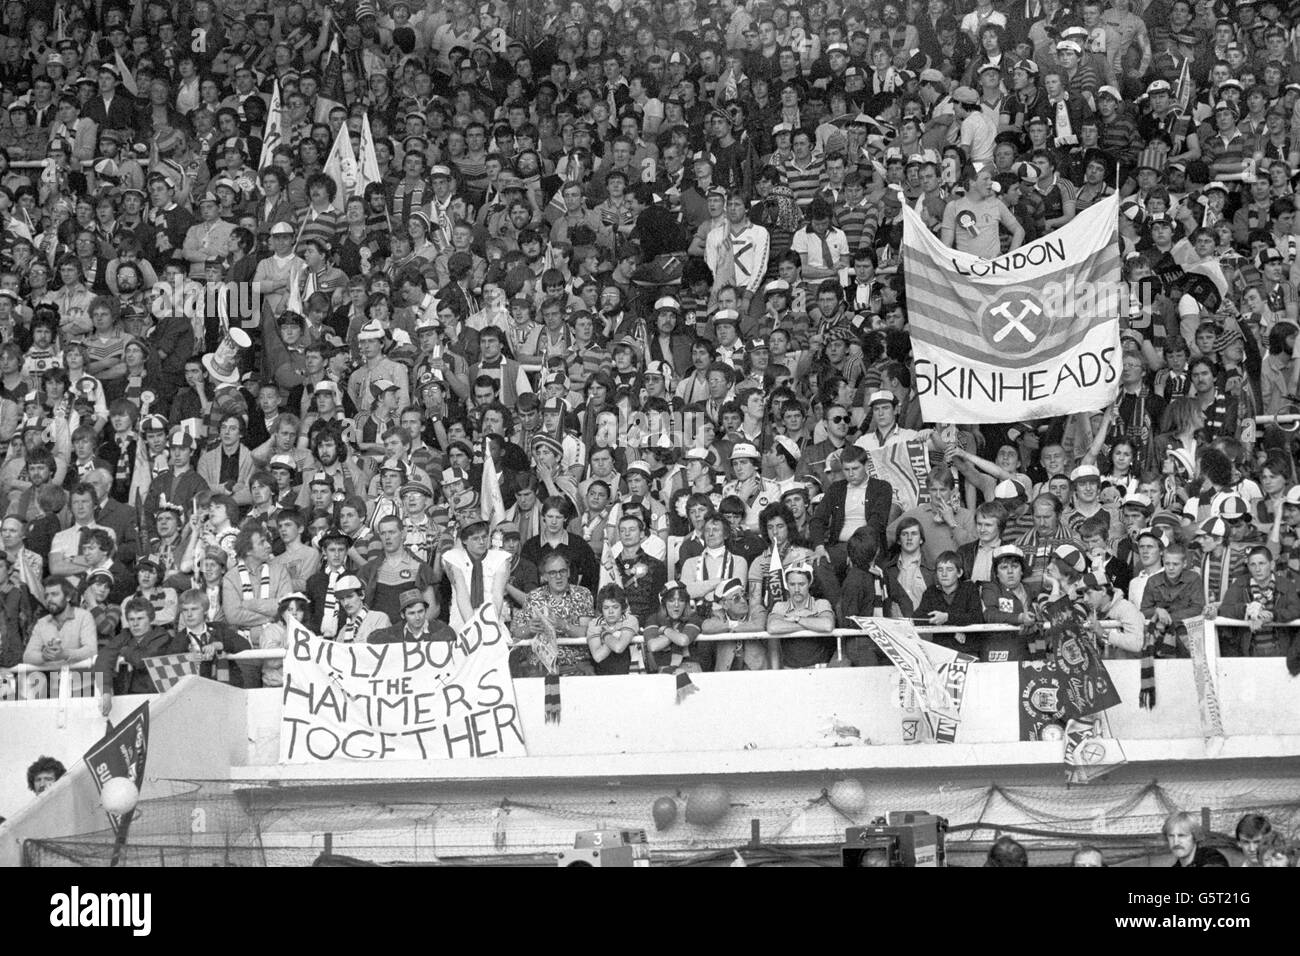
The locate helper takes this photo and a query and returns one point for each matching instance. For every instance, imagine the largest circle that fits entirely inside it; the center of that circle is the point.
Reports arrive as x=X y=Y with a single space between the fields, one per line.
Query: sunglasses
x=838 y=419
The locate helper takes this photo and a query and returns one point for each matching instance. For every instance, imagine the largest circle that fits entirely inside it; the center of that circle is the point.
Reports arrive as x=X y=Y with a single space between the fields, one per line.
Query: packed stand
x=641 y=267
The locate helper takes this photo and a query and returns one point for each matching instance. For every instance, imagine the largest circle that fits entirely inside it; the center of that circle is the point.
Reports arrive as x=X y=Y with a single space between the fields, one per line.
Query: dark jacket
x=121 y=520
x=317 y=588
x=434 y=630
x=1182 y=598
x=119 y=114
x=962 y=607
x=126 y=647
x=967 y=554
x=1286 y=597
x=248 y=675
x=828 y=519
x=584 y=569
x=172 y=344
x=896 y=593
x=15 y=624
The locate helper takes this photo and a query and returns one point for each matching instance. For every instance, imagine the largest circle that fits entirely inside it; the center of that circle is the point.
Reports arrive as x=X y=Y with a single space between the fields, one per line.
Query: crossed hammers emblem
x=1027 y=309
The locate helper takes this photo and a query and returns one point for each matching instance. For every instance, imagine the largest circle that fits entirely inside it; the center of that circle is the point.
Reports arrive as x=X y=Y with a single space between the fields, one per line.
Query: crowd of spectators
x=641 y=262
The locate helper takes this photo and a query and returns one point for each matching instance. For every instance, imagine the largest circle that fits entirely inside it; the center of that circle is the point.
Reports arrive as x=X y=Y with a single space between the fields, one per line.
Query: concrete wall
x=791 y=710
x=198 y=730
x=755 y=724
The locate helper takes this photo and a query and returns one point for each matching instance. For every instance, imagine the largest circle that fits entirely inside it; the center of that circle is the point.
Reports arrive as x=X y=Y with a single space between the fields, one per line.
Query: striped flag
x=273 y=134
x=491 y=505
x=167 y=669
x=1033 y=333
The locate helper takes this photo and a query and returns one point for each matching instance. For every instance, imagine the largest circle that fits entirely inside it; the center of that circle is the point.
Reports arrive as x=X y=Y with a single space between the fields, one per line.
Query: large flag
x=429 y=700
x=273 y=134
x=491 y=505
x=1030 y=334
x=341 y=166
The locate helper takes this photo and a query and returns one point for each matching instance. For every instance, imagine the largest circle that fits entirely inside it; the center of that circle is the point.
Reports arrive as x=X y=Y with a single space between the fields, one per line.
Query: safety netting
x=205 y=823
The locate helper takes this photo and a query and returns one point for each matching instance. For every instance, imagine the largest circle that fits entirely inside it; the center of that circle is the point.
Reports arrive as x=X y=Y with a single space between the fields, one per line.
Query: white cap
x=745 y=450
x=667 y=302
x=1006 y=489
x=1085 y=471
x=788 y=446
x=371 y=330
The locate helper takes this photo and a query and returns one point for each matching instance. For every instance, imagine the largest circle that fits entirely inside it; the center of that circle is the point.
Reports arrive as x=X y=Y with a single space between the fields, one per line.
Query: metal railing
x=839 y=633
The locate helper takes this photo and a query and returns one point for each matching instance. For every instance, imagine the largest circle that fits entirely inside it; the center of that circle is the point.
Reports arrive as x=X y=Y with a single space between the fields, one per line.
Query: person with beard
x=66 y=634
x=330 y=453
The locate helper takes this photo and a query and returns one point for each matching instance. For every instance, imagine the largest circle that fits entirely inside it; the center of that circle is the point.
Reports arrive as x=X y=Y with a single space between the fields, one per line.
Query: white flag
x=367 y=161
x=341 y=166
x=128 y=78
x=491 y=505
x=273 y=134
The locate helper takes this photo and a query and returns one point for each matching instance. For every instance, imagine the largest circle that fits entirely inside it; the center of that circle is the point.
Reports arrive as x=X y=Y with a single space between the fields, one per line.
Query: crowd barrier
x=68 y=680
x=838 y=633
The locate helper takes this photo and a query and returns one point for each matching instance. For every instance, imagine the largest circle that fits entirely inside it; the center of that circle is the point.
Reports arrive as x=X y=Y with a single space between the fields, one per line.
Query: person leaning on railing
x=950 y=601
x=1107 y=603
x=734 y=613
x=1170 y=598
x=1266 y=599
x=800 y=611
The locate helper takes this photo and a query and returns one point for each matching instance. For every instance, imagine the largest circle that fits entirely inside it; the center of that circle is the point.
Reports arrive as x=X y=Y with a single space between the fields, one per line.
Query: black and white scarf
x=348 y=633
x=246 y=582
x=329 y=624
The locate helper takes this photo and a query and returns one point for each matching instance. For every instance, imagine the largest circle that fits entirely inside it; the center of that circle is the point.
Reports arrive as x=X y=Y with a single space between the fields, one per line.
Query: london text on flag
x=1031 y=334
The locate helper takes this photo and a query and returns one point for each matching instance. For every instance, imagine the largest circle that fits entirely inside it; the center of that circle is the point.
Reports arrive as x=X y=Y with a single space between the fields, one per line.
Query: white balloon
x=119 y=795
x=848 y=796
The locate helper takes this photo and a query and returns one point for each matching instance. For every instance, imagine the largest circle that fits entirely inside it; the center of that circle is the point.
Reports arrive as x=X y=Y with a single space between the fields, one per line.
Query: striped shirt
x=110 y=347
x=805 y=182
x=1119 y=137
x=317 y=225
x=1226 y=159
x=858 y=222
